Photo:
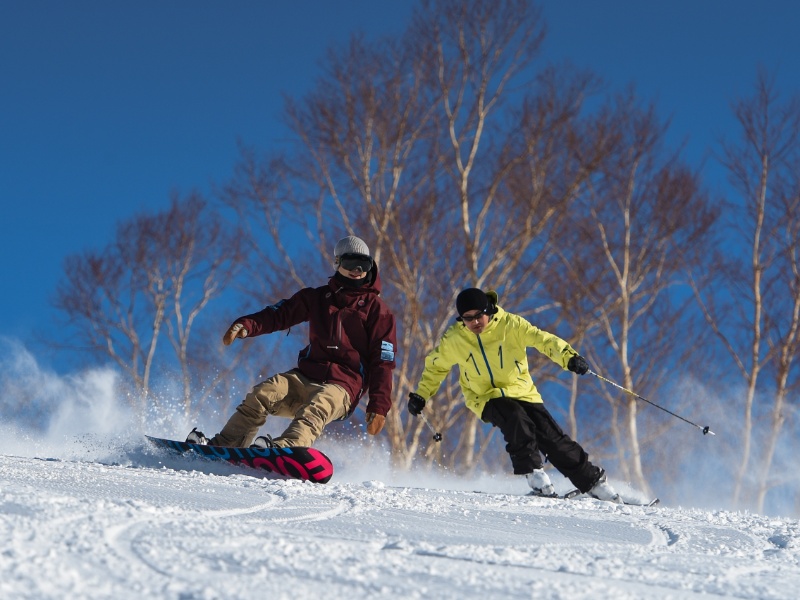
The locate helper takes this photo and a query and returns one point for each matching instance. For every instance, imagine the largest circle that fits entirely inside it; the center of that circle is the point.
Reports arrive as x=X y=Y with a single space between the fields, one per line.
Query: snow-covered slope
x=152 y=526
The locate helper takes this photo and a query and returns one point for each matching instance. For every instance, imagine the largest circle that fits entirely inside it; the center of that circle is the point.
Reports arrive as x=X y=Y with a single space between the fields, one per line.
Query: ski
x=577 y=495
x=568 y=496
x=652 y=502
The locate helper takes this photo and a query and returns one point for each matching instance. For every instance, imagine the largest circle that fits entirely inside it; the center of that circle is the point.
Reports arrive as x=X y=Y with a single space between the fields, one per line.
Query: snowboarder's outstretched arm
x=275 y=317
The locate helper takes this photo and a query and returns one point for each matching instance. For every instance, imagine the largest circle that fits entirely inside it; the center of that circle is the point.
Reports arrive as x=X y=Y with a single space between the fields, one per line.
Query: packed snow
x=152 y=525
x=89 y=509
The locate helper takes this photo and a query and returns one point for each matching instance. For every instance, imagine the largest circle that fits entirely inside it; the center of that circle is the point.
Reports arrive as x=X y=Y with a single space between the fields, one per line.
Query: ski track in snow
x=158 y=528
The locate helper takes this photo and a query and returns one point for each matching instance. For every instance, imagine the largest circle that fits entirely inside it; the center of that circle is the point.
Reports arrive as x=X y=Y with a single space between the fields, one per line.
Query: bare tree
x=758 y=324
x=640 y=223
x=782 y=324
x=454 y=158
x=152 y=282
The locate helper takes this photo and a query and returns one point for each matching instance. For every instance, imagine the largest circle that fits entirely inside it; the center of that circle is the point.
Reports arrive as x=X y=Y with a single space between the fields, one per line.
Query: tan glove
x=236 y=330
x=375 y=423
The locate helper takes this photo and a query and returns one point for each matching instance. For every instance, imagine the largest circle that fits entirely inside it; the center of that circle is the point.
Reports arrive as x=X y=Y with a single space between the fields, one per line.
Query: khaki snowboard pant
x=311 y=406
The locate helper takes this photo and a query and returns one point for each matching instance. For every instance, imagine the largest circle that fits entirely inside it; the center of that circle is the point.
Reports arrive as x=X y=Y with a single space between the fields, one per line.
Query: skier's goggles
x=475 y=317
x=355 y=262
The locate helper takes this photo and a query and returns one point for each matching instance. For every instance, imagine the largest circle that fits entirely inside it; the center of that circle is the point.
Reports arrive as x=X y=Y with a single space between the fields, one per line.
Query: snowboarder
x=489 y=345
x=351 y=350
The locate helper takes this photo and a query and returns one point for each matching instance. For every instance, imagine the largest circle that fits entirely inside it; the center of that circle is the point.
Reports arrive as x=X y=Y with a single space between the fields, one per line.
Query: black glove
x=415 y=403
x=577 y=364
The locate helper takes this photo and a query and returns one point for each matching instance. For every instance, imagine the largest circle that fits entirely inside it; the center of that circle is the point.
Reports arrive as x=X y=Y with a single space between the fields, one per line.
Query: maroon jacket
x=352 y=339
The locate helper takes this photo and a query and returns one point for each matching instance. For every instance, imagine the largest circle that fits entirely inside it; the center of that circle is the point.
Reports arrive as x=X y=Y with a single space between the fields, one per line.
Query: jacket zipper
x=488 y=367
x=337 y=327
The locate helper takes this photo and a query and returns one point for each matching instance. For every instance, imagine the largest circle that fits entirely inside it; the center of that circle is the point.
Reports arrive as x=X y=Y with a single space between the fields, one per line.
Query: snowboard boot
x=602 y=490
x=196 y=437
x=540 y=484
x=263 y=442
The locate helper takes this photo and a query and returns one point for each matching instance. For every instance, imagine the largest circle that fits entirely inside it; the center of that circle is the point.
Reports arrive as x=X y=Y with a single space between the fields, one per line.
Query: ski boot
x=540 y=484
x=602 y=490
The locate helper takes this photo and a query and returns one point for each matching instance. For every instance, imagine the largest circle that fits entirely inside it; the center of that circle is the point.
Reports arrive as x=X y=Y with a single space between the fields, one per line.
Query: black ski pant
x=529 y=431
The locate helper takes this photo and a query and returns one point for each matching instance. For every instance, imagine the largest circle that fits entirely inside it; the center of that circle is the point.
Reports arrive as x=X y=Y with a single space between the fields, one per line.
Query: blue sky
x=106 y=107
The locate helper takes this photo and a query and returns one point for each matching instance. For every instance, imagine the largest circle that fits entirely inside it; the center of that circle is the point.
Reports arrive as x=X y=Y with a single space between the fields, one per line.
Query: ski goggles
x=470 y=318
x=355 y=262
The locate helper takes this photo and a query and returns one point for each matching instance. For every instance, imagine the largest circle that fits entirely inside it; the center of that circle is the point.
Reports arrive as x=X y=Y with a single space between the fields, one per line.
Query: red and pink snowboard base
x=308 y=464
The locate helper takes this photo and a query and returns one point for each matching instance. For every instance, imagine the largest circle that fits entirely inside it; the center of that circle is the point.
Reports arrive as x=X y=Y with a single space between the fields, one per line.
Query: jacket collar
x=368 y=288
x=490 y=327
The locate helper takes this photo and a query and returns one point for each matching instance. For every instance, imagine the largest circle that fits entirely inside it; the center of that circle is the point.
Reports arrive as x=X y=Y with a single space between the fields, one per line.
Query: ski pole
x=705 y=429
x=437 y=437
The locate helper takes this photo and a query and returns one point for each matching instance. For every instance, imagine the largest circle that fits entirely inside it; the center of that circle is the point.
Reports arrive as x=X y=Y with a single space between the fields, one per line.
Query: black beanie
x=471 y=299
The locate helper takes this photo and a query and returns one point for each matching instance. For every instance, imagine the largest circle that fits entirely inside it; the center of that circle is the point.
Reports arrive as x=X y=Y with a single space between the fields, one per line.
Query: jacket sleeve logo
x=387 y=351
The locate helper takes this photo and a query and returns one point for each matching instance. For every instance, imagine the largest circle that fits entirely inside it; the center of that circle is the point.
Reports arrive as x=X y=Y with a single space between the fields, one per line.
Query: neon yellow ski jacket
x=494 y=363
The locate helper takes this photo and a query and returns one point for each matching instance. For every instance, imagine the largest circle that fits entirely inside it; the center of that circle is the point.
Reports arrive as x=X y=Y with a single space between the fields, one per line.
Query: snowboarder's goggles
x=355 y=262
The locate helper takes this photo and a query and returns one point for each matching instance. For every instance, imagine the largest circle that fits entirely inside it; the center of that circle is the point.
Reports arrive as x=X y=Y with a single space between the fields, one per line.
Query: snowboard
x=308 y=464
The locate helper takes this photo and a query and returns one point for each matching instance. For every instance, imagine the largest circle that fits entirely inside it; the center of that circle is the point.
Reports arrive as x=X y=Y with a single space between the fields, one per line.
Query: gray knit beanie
x=351 y=245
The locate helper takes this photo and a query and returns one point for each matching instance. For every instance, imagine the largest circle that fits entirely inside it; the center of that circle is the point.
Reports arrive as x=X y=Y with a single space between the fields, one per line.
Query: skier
x=489 y=345
x=351 y=350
